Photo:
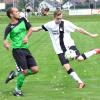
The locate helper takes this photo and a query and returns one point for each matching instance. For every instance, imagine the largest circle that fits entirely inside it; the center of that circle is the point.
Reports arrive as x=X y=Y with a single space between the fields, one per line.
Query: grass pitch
x=52 y=82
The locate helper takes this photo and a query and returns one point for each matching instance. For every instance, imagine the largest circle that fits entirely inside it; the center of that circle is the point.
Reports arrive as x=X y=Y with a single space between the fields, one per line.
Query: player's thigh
x=62 y=59
x=31 y=62
x=20 y=59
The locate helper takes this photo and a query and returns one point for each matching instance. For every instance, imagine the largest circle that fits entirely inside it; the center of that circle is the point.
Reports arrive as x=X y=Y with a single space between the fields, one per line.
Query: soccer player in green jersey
x=18 y=30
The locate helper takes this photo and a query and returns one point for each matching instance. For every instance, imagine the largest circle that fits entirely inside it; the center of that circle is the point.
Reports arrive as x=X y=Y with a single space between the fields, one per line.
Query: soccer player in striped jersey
x=60 y=33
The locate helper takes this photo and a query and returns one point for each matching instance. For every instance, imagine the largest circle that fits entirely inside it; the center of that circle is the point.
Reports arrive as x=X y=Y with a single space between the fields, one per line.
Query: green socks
x=29 y=72
x=21 y=77
x=20 y=80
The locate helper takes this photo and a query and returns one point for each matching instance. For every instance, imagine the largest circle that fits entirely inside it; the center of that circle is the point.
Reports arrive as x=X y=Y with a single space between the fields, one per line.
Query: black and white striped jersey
x=55 y=35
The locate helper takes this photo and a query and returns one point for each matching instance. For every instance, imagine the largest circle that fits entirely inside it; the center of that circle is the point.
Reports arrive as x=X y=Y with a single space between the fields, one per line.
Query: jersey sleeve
x=7 y=33
x=46 y=27
x=27 y=23
x=69 y=26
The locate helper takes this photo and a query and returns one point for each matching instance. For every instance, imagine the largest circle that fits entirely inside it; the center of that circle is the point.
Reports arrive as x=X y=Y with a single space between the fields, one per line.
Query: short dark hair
x=9 y=11
x=57 y=13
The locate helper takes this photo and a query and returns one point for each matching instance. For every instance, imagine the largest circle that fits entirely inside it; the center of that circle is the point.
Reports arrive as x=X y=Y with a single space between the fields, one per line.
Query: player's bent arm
x=32 y=29
x=25 y=40
x=29 y=32
x=83 y=31
x=36 y=29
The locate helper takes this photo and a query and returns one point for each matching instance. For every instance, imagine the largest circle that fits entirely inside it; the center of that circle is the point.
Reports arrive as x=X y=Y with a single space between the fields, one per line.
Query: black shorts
x=23 y=58
x=62 y=58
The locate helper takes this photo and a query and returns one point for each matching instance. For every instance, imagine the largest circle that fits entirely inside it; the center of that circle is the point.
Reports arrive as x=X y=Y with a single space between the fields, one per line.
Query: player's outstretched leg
x=88 y=54
x=74 y=75
x=21 y=77
x=91 y=53
x=10 y=76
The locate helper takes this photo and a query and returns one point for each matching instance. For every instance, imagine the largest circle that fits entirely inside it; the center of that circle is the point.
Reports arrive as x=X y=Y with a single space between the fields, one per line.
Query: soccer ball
x=70 y=54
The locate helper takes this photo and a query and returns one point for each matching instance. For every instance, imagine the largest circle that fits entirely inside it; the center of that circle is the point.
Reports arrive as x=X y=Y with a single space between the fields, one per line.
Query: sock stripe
x=83 y=55
x=70 y=71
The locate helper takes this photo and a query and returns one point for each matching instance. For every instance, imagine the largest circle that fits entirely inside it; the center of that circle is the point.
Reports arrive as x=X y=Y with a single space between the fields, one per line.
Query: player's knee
x=35 y=69
x=25 y=72
x=67 y=66
x=80 y=58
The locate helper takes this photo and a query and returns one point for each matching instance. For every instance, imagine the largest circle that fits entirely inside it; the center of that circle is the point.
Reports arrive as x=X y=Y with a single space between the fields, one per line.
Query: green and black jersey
x=17 y=32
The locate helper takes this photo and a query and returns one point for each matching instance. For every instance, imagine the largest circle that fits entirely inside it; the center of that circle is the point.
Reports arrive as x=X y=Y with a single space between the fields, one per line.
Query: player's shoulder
x=66 y=21
x=49 y=24
x=8 y=26
x=23 y=19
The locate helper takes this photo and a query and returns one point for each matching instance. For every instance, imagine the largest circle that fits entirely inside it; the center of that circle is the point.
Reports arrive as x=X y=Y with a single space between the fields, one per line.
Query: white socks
x=75 y=77
x=90 y=53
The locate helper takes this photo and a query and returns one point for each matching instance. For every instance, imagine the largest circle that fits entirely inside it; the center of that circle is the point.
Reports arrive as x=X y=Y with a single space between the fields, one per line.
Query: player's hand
x=94 y=35
x=6 y=45
x=25 y=40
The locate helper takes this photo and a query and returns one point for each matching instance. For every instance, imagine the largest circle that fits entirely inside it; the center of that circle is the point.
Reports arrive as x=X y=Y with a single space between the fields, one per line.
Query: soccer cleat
x=10 y=76
x=97 y=51
x=81 y=85
x=15 y=93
